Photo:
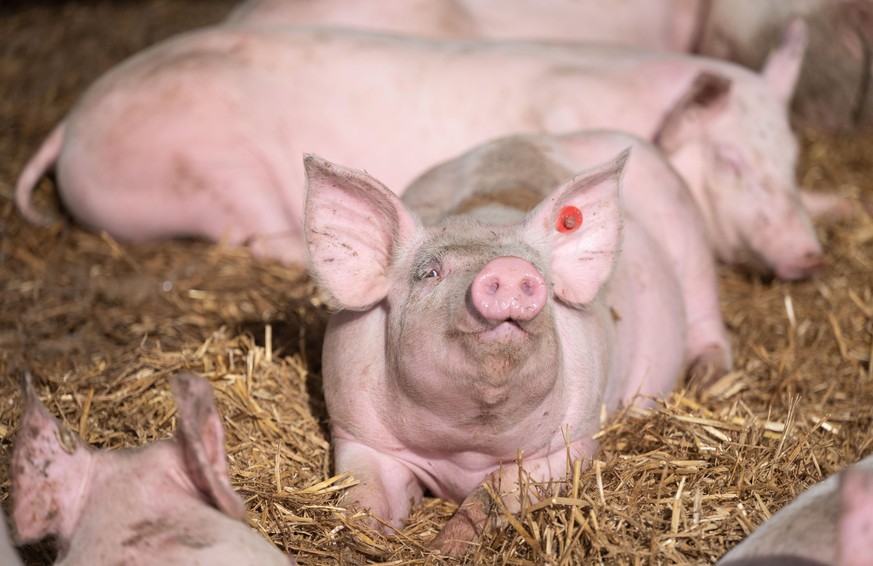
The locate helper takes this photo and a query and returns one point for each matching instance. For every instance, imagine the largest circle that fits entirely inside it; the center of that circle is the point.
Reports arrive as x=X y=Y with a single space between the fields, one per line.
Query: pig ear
x=201 y=437
x=353 y=225
x=707 y=97
x=783 y=65
x=581 y=221
x=48 y=468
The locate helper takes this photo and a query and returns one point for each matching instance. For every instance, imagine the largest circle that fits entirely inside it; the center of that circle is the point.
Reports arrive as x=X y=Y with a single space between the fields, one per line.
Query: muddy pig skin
x=833 y=93
x=500 y=324
x=203 y=134
x=829 y=524
x=167 y=503
x=8 y=555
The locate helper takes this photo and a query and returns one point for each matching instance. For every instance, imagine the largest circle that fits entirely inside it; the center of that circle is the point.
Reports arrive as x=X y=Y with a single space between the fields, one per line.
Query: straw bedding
x=101 y=325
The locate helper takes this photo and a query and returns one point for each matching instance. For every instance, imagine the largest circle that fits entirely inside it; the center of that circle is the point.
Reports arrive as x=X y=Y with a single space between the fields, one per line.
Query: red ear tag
x=569 y=219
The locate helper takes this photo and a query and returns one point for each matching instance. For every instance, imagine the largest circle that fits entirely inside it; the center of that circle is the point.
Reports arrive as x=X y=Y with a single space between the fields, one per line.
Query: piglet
x=168 y=503
x=830 y=524
x=529 y=297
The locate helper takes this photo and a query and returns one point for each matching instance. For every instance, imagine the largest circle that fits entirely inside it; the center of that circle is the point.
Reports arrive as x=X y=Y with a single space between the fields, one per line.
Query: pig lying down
x=202 y=135
x=494 y=311
x=168 y=503
x=830 y=524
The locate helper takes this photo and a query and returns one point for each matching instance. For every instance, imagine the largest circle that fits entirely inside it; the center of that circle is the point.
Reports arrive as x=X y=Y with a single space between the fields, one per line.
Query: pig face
x=472 y=300
x=485 y=295
x=747 y=191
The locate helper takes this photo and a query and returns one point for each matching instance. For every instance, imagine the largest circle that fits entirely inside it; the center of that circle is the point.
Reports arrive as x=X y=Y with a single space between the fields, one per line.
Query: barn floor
x=102 y=325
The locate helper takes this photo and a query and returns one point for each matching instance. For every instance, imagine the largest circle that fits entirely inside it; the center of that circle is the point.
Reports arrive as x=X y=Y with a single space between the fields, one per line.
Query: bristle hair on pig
x=168 y=503
x=495 y=310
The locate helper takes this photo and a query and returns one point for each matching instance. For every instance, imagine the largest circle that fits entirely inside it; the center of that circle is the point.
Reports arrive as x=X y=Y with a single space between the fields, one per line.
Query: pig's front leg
x=829 y=206
x=468 y=523
x=479 y=510
x=708 y=346
x=386 y=487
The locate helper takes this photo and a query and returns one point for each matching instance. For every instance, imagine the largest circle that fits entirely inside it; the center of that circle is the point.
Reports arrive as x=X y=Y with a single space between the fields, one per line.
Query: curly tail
x=34 y=170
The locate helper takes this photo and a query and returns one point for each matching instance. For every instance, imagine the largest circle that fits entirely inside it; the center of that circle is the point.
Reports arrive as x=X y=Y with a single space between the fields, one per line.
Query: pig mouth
x=508 y=331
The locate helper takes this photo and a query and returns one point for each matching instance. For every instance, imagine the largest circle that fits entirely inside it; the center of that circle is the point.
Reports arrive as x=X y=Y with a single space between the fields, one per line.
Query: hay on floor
x=102 y=325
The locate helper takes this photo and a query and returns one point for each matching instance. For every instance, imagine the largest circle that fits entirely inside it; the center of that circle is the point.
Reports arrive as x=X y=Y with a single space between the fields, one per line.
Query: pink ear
x=353 y=225
x=201 y=437
x=707 y=96
x=581 y=221
x=784 y=63
x=49 y=465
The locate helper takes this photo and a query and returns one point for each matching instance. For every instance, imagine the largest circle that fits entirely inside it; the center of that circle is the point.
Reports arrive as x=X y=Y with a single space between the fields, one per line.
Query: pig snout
x=802 y=267
x=509 y=288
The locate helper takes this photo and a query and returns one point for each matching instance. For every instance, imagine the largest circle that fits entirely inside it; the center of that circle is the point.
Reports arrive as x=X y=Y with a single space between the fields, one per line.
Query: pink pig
x=830 y=524
x=168 y=503
x=202 y=135
x=492 y=317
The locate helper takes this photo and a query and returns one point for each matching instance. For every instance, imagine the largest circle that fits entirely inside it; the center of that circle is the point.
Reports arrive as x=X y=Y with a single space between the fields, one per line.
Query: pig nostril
x=528 y=288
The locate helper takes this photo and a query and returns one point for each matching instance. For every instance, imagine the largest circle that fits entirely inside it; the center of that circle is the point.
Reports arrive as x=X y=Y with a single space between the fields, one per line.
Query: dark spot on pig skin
x=32 y=431
x=191 y=541
x=151 y=533
x=519 y=198
x=145 y=530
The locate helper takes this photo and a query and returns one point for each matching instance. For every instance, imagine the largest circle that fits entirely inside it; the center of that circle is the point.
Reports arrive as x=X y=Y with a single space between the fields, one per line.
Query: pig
x=168 y=503
x=8 y=555
x=830 y=523
x=495 y=310
x=833 y=92
x=202 y=135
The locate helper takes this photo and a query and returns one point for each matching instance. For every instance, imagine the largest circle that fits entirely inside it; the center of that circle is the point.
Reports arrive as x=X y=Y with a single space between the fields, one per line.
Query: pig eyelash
x=427 y=274
x=428 y=271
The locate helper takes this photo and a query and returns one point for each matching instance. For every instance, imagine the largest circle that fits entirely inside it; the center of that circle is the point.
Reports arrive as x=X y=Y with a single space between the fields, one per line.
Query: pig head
x=168 y=503
x=730 y=139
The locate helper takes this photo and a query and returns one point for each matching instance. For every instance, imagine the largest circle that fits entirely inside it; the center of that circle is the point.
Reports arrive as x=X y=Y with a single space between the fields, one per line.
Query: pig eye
x=428 y=271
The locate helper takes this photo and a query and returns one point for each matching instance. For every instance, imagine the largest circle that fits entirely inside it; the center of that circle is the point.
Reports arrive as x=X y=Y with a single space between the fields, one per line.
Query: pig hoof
x=707 y=368
x=457 y=537
x=447 y=545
